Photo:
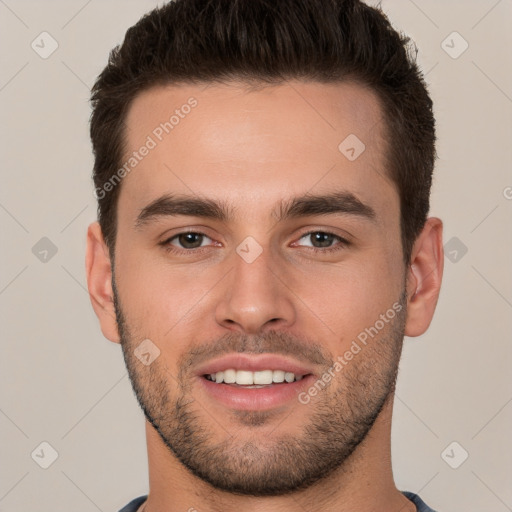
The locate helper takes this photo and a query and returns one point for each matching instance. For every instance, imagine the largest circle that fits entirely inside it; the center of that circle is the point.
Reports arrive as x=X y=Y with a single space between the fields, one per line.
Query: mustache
x=271 y=342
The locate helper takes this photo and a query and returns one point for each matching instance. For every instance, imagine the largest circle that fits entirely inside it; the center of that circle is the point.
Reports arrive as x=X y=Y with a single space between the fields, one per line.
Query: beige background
x=64 y=384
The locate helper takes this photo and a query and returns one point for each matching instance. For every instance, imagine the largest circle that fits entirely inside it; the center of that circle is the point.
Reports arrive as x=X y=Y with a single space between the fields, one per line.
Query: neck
x=363 y=483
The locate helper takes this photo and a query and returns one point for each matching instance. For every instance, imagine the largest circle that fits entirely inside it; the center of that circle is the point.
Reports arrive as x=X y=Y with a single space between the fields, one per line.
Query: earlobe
x=424 y=277
x=99 y=282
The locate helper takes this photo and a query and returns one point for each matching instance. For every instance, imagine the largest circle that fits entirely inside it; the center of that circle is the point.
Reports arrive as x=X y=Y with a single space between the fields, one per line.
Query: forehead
x=226 y=141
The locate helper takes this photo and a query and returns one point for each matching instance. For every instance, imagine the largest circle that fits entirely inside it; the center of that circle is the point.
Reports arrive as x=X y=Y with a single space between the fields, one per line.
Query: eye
x=322 y=241
x=193 y=241
x=185 y=242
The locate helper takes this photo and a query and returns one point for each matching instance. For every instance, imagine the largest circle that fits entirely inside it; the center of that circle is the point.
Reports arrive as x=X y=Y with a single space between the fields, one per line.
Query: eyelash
x=343 y=243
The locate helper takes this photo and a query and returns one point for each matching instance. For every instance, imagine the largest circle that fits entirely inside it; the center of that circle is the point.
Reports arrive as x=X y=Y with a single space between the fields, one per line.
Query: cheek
x=341 y=301
x=161 y=300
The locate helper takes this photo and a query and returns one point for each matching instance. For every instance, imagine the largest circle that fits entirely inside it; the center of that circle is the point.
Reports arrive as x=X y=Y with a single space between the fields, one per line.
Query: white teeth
x=278 y=376
x=288 y=377
x=264 y=377
x=244 y=378
x=247 y=378
x=229 y=376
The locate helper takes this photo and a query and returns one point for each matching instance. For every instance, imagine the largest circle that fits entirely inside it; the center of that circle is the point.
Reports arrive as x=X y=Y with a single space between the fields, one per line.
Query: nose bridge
x=254 y=295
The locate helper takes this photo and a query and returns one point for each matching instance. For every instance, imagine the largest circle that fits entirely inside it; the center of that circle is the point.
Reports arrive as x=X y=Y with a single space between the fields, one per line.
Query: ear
x=99 y=282
x=424 y=277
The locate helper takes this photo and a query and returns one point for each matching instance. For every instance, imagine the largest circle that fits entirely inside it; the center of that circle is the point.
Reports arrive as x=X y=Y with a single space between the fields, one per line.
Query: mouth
x=254 y=383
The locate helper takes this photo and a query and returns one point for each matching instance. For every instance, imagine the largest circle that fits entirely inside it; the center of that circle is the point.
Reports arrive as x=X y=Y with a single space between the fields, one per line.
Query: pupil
x=324 y=238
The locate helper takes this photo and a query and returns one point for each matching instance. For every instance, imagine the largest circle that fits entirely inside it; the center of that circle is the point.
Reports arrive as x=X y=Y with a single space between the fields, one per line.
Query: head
x=263 y=172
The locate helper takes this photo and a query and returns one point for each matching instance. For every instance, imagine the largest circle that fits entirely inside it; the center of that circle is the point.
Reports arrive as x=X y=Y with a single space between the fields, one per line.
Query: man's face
x=251 y=284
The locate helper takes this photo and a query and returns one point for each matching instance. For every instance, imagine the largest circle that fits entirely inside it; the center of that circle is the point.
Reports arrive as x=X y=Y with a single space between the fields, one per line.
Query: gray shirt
x=421 y=506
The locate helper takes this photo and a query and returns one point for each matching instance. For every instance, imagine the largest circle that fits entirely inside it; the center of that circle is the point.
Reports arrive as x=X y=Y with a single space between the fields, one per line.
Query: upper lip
x=253 y=363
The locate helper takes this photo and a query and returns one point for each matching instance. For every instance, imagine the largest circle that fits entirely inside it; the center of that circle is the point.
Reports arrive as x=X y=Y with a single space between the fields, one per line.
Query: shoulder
x=134 y=504
x=420 y=504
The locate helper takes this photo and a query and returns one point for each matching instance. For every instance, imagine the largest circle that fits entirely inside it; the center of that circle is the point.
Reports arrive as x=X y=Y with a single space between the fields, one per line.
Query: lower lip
x=250 y=399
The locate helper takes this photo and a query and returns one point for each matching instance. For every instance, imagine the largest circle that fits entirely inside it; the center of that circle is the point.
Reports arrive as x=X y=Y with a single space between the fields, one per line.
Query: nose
x=255 y=296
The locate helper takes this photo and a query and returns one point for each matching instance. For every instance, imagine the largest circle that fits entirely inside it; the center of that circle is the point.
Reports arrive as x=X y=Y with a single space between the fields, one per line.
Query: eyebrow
x=333 y=203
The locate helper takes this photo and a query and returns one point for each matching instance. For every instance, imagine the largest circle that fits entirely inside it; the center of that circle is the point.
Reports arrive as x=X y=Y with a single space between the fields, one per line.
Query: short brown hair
x=269 y=41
